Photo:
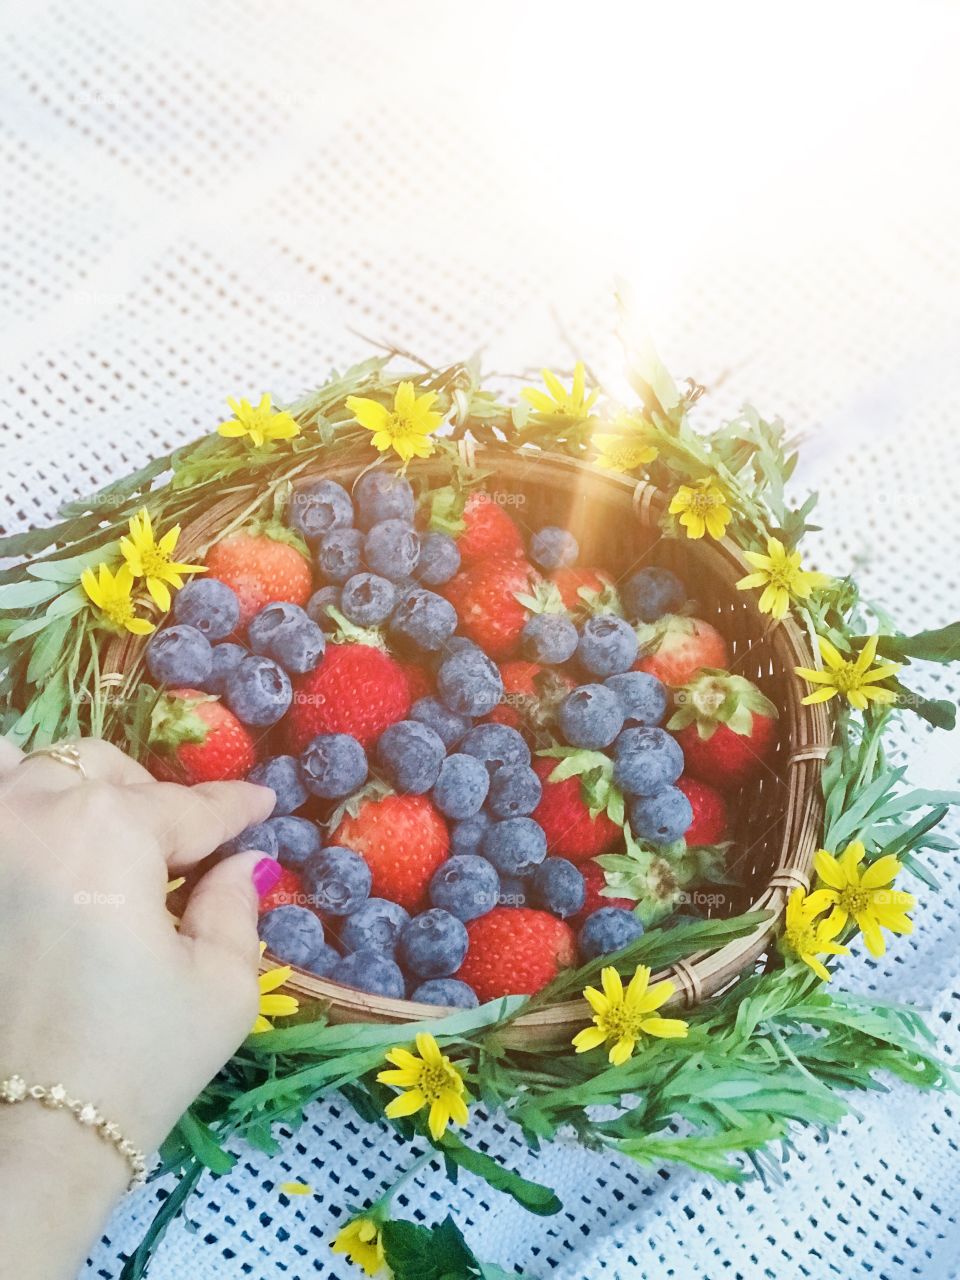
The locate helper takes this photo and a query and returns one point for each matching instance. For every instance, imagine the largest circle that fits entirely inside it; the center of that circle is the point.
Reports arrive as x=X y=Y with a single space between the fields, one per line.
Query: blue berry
x=606 y=930
x=324 y=962
x=608 y=645
x=286 y=633
x=439 y=559
x=643 y=697
x=450 y=993
x=514 y=792
x=554 y=548
x=465 y=885
x=497 y=746
x=645 y=760
x=515 y=846
x=461 y=644
x=591 y=717
x=410 y=754
x=370 y=972
x=340 y=554
x=262 y=837
x=337 y=880
x=467 y=836
x=367 y=599
x=449 y=727
x=318 y=603
x=383 y=495
x=293 y=934
x=513 y=892
x=333 y=764
x=209 y=605
x=424 y=619
x=650 y=593
x=558 y=886
x=297 y=840
x=392 y=549
x=433 y=944
x=259 y=691
x=225 y=659
x=469 y=682
x=282 y=774
x=375 y=926
x=550 y=638
x=662 y=818
x=461 y=787
x=180 y=656
x=319 y=506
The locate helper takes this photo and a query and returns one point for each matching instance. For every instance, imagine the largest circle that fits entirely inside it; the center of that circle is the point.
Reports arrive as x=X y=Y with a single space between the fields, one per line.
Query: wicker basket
x=616 y=521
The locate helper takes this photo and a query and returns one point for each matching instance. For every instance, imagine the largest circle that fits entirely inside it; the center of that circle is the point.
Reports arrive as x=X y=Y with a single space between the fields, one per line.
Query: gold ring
x=64 y=753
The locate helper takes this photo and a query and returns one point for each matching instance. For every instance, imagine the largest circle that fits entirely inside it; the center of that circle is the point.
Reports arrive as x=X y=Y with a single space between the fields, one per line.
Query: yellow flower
x=261 y=424
x=152 y=560
x=430 y=1080
x=622 y=1017
x=624 y=449
x=781 y=577
x=360 y=1241
x=561 y=403
x=867 y=897
x=407 y=428
x=272 y=1006
x=808 y=938
x=113 y=596
x=854 y=679
x=702 y=508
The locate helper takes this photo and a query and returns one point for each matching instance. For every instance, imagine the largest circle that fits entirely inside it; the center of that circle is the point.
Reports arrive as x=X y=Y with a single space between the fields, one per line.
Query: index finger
x=190 y=822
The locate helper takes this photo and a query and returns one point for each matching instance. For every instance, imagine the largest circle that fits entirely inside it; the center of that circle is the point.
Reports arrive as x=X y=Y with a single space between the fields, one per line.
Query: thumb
x=221 y=912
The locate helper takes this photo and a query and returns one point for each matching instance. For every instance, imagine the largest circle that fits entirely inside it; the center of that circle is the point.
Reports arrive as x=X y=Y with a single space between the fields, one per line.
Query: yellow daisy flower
x=113 y=596
x=702 y=508
x=780 y=575
x=852 y=679
x=273 y=1006
x=407 y=429
x=262 y=424
x=624 y=449
x=360 y=1241
x=867 y=896
x=430 y=1080
x=561 y=403
x=623 y=1016
x=150 y=559
x=808 y=938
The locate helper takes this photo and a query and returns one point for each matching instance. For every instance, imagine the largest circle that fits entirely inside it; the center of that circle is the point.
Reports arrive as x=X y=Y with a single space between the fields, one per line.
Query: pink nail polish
x=265 y=875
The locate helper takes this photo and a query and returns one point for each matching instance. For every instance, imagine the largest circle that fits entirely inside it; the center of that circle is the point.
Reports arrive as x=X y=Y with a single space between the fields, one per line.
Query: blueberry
x=370 y=972
x=515 y=846
x=467 y=836
x=608 y=645
x=424 y=619
x=645 y=760
x=293 y=934
x=461 y=644
x=333 y=764
x=433 y=944
x=383 y=495
x=550 y=638
x=469 y=682
x=262 y=836
x=662 y=818
x=282 y=774
x=439 y=559
x=340 y=554
x=448 y=726
x=209 y=605
x=650 y=593
x=286 y=633
x=297 y=840
x=466 y=886
x=367 y=599
x=319 y=506
x=606 y=930
x=513 y=792
x=513 y=892
x=317 y=607
x=324 y=962
x=590 y=716
x=259 y=691
x=337 y=880
x=392 y=549
x=225 y=660
x=497 y=746
x=410 y=754
x=558 y=886
x=180 y=656
x=461 y=786
x=375 y=926
x=450 y=993
x=554 y=548
x=642 y=696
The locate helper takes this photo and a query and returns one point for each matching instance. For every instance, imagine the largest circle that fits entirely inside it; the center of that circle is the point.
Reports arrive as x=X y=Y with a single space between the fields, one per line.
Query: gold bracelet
x=15 y=1089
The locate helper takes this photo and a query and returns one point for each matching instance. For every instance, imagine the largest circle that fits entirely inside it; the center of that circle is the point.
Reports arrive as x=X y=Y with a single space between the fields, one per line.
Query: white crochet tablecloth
x=203 y=199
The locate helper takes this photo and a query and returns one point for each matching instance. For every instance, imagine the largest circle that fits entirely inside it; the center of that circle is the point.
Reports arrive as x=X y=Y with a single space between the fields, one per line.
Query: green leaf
x=47 y=650
x=939 y=712
x=414 y=1252
x=203 y=1144
x=530 y=1195
x=27 y=595
x=940 y=645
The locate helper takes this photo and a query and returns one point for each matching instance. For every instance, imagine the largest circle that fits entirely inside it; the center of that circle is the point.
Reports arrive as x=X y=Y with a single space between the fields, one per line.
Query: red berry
x=726 y=759
x=261 y=570
x=403 y=840
x=357 y=689
x=676 y=647
x=570 y=582
x=288 y=891
x=485 y=597
x=489 y=531
x=516 y=951
x=709 y=825
x=531 y=695
x=565 y=819
x=194 y=738
x=419 y=681
x=594 y=880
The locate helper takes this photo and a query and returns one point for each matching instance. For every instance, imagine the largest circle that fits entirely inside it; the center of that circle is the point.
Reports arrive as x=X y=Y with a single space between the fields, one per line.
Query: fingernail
x=265 y=875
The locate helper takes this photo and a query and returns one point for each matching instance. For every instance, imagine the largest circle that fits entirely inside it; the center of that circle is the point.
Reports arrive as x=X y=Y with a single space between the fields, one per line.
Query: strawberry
x=357 y=689
x=418 y=680
x=288 y=891
x=403 y=839
x=726 y=727
x=515 y=951
x=531 y=695
x=488 y=531
x=563 y=814
x=709 y=825
x=599 y=593
x=194 y=738
x=262 y=564
x=594 y=879
x=674 y=648
x=485 y=597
